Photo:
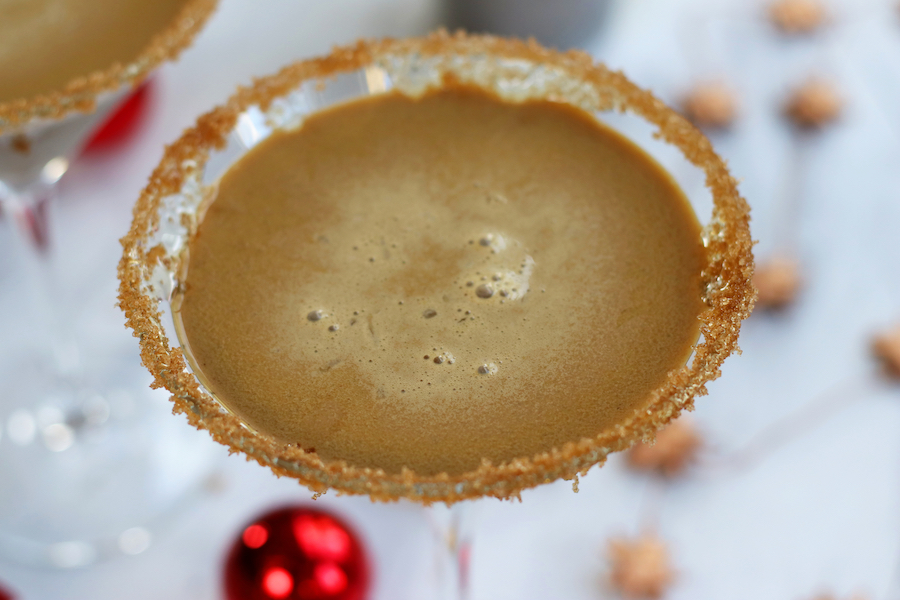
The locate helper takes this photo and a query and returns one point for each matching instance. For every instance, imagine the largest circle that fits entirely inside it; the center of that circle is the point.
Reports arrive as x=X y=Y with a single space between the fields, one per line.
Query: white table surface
x=820 y=511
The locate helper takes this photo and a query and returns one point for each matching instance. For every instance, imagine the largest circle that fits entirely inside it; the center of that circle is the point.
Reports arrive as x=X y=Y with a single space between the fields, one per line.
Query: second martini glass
x=83 y=475
x=153 y=267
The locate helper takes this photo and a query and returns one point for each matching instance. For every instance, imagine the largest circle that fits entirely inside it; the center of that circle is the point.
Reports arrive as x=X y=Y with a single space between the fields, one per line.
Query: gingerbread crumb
x=795 y=17
x=641 y=567
x=675 y=449
x=21 y=144
x=886 y=347
x=814 y=104
x=778 y=282
x=711 y=104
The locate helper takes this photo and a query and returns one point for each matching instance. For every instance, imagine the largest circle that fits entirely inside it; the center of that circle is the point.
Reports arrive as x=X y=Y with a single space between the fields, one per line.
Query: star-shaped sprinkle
x=814 y=104
x=640 y=568
x=675 y=448
x=797 y=16
x=711 y=104
x=886 y=346
x=778 y=281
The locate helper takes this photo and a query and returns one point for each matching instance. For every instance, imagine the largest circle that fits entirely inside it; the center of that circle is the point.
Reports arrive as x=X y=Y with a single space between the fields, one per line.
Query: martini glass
x=80 y=448
x=167 y=215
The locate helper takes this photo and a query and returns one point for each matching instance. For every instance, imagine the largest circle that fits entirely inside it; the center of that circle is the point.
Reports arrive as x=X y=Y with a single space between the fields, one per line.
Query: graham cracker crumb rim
x=81 y=93
x=729 y=298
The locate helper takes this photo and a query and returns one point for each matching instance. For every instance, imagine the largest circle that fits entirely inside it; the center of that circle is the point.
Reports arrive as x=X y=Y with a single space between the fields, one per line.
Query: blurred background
x=795 y=490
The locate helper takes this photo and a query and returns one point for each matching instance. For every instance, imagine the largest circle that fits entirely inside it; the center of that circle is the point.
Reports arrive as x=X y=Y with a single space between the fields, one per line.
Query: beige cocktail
x=431 y=282
x=462 y=286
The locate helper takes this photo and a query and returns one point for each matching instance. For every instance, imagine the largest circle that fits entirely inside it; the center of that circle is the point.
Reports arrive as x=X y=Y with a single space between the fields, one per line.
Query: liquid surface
x=426 y=283
x=45 y=44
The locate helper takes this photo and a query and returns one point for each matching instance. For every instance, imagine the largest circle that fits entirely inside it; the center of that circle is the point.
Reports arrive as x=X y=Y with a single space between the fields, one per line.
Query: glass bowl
x=171 y=207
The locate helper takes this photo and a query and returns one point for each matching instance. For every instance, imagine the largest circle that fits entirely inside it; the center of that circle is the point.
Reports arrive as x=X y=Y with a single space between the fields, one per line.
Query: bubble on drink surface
x=444 y=357
x=315 y=315
x=512 y=284
x=485 y=290
x=494 y=241
x=429 y=313
x=488 y=369
x=334 y=327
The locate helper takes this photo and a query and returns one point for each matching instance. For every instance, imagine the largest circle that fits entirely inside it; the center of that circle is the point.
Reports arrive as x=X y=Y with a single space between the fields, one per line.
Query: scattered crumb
x=886 y=346
x=778 y=281
x=814 y=104
x=20 y=144
x=675 y=448
x=711 y=104
x=797 y=16
x=640 y=568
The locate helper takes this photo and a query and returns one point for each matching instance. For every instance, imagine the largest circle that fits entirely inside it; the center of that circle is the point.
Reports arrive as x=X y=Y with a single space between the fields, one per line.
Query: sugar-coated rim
x=729 y=293
x=80 y=94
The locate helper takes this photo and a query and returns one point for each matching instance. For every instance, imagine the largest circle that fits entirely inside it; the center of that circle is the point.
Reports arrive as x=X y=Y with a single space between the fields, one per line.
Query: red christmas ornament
x=124 y=121
x=299 y=554
x=6 y=595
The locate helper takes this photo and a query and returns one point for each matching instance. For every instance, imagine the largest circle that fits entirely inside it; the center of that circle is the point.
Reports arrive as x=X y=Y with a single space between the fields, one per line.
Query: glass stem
x=30 y=215
x=453 y=531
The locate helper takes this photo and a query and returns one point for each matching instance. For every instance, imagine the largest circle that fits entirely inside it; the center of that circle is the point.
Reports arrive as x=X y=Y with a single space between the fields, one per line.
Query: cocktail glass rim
x=152 y=260
x=80 y=94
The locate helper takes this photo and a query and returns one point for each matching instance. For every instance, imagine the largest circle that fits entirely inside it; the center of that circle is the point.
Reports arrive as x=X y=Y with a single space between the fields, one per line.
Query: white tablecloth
x=818 y=511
